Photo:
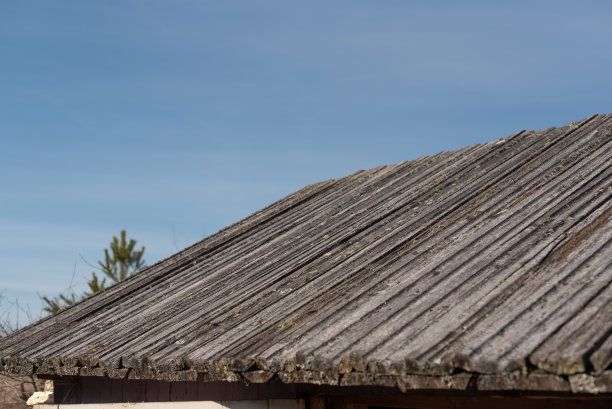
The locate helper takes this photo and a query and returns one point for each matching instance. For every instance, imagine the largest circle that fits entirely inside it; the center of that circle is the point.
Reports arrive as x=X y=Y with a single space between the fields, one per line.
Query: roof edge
x=348 y=372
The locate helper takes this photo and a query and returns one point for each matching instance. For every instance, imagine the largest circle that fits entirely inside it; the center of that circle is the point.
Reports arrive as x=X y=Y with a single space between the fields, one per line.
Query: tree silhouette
x=120 y=261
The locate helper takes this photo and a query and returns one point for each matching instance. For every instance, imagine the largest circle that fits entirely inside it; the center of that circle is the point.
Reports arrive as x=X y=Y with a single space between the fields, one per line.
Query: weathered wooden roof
x=489 y=267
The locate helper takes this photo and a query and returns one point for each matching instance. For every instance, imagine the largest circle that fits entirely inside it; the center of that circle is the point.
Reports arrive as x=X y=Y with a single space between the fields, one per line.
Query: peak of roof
x=491 y=260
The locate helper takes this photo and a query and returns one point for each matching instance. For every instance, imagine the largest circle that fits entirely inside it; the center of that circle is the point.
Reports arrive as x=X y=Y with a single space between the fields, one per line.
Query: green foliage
x=124 y=260
x=53 y=305
x=95 y=285
x=121 y=261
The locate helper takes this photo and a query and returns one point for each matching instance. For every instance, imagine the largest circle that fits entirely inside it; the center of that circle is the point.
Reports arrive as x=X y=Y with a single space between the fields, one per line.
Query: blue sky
x=173 y=119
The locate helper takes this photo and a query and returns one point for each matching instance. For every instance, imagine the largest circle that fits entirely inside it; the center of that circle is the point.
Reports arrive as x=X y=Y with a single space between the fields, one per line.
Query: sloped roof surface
x=485 y=267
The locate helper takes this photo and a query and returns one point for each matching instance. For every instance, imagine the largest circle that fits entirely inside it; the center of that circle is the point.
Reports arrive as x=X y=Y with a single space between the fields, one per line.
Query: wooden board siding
x=99 y=391
x=245 y=404
x=488 y=267
x=327 y=397
x=417 y=402
x=104 y=390
x=474 y=402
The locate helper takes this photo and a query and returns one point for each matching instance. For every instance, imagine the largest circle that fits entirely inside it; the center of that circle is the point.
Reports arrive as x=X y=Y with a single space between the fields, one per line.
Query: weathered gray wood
x=567 y=351
x=515 y=381
x=447 y=272
x=594 y=384
x=601 y=358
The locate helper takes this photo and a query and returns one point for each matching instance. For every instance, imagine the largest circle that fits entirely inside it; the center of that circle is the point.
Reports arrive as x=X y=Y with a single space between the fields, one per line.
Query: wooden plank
x=152 y=391
x=318 y=402
x=411 y=401
x=463 y=262
x=566 y=352
x=133 y=391
x=222 y=391
x=421 y=401
x=95 y=390
x=177 y=391
x=284 y=404
x=595 y=384
x=247 y=404
x=118 y=394
x=68 y=389
x=163 y=390
x=601 y=359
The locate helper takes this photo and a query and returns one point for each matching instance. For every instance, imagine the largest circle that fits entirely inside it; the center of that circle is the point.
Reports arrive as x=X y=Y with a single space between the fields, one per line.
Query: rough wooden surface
x=92 y=390
x=489 y=267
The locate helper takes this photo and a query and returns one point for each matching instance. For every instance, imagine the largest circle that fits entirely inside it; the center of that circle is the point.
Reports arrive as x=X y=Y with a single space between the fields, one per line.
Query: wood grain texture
x=486 y=267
